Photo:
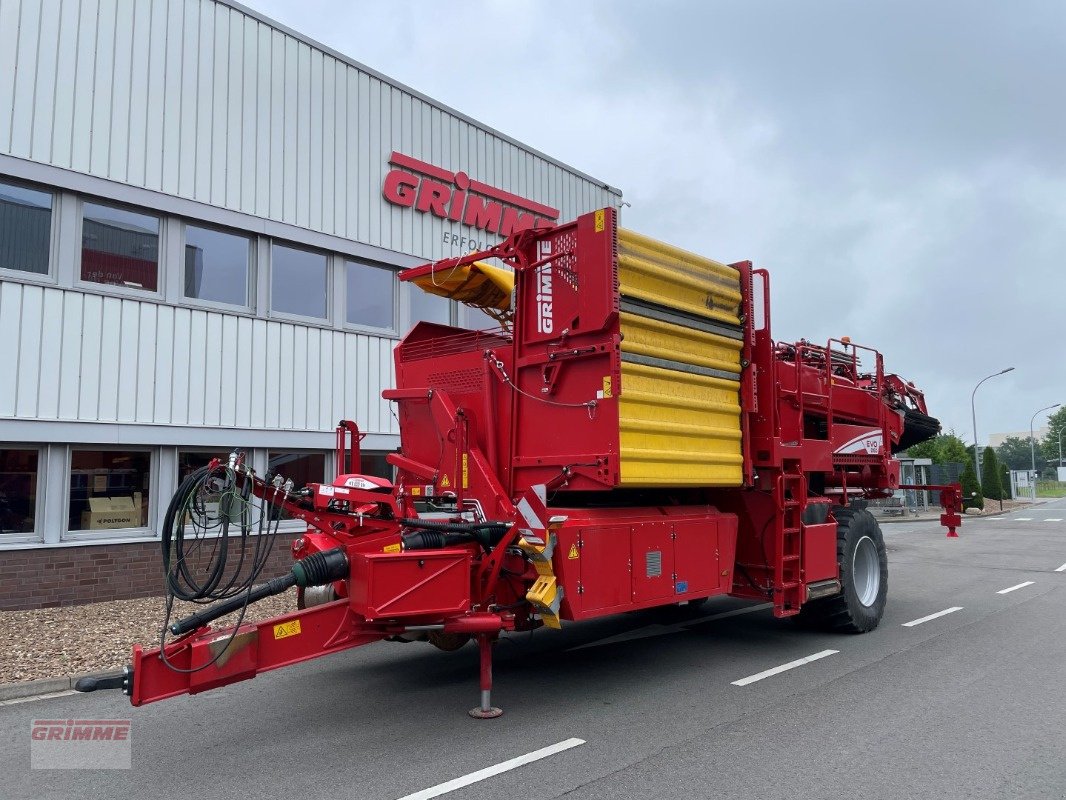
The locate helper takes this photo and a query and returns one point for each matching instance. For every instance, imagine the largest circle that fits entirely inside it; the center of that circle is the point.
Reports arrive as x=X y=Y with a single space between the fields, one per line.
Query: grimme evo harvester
x=629 y=437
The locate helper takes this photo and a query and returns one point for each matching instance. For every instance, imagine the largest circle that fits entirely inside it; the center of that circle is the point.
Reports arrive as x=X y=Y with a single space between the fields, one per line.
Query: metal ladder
x=790 y=493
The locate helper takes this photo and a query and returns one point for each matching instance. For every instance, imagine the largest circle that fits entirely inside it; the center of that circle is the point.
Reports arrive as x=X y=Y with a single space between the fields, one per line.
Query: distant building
x=997 y=439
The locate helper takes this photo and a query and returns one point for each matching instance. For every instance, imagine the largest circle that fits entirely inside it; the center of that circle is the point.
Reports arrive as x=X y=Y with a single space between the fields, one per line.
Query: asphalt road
x=968 y=704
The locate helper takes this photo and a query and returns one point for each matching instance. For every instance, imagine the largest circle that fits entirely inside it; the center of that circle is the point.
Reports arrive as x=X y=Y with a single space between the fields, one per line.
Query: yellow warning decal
x=607 y=386
x=573 y=552
x=416 y=491
x=466 y=472
x=391 y=548
x=285 y=629
x=445 y=482
x=599 y=225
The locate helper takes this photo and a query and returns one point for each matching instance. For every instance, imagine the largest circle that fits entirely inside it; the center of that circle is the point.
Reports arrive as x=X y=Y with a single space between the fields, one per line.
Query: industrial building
x=201 y=217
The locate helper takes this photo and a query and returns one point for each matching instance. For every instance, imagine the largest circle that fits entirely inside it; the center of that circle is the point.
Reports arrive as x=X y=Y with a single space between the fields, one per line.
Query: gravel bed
x=55 y=642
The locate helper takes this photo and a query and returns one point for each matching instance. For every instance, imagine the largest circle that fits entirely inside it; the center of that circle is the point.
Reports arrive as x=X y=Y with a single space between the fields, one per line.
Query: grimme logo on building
x=455 y=196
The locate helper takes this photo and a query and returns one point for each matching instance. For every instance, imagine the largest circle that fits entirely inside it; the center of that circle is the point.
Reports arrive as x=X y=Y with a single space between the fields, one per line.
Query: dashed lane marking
x=1053 y=519
x=496 y=769
x=1013 y=588
x=1061 y=569
x=1022 y=519
x=799 y=662
x=920 y=620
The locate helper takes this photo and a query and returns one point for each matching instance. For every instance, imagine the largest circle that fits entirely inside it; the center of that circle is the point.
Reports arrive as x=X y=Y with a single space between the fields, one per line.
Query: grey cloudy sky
x=900 y=168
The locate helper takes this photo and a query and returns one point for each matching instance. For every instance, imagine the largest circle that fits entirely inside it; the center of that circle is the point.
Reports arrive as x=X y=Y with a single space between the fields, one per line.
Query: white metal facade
x=205 y=112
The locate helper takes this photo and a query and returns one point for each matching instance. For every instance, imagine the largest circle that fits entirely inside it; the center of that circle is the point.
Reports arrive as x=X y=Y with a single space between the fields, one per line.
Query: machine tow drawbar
x=109 y=680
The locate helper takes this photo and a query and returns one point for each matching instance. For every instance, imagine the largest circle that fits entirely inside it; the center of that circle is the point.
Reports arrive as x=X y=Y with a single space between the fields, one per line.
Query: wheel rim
x=866 y=571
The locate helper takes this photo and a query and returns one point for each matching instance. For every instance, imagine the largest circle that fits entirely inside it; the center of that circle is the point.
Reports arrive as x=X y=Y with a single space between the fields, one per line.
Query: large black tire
x=863 y=566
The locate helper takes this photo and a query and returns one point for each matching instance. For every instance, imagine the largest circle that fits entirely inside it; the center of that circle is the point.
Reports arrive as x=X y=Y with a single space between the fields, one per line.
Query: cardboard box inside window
x=112 y=512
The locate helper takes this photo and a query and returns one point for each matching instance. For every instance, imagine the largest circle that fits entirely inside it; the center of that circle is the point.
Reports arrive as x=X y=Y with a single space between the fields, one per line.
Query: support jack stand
x=486 y=710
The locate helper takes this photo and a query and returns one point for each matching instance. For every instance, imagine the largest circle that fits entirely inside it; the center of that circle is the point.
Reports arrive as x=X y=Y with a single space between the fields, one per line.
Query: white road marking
x=649 y=631
x=1022 y=519
x=32 y=698
x=1061 y=569
x=1053 y=519
x=799 y=662
x=920 y=620
x=1012 y=588
x=496 y=769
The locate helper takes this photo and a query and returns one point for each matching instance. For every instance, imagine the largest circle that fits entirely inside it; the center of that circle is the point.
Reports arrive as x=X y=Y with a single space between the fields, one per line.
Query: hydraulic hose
x=314 y=570
x=435 y=534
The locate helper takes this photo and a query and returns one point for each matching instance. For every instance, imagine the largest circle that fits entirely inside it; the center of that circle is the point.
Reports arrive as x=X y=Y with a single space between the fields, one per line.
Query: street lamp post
x=973 y=411
x=1032 y=441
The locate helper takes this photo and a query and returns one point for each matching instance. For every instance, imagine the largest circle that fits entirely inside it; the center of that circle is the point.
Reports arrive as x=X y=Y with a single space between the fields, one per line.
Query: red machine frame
x=815 y=426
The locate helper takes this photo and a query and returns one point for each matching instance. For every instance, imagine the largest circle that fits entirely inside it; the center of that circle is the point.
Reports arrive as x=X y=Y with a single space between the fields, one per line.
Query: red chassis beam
x=207 y=658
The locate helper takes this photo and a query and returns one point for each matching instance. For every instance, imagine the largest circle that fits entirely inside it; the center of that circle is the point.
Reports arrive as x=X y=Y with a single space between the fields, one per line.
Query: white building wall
x=71 y=356
x=205 y=101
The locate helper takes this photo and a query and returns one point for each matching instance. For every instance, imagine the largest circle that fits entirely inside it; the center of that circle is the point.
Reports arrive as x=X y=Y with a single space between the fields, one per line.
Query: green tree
x=971 y=490
x=1004 y=479
x=1015 y=453
x=943 y=449
x=953 y=450
x=991 y=483
x=926 y=449
x=1050 y=445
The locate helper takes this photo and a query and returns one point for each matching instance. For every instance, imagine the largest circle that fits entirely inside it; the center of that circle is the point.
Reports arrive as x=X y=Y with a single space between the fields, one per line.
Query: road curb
x=19 y=689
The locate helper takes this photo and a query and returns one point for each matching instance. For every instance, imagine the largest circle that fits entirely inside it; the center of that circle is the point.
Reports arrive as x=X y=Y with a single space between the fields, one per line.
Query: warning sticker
x=466 y=472
x=606 y=385
x=416 y=491
x=573 y=552
x=599 y=228
x=284 y=630
x=391 y=548
x=445 y=482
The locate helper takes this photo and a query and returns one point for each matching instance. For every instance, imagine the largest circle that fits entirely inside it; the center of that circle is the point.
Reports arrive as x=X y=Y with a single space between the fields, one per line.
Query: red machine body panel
x=619 y=559
x=399 y=585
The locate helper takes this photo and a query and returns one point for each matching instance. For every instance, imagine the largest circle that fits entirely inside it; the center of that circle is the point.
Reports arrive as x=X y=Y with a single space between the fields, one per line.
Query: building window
x=216 y=265
x=426 y=307
x=109 y=489
x=18 y=490
x=475 y=319
x=375 y=464
x=298 y=281
x=371 y=293
x=119 y=247
x=301 y=468
x=25 y=229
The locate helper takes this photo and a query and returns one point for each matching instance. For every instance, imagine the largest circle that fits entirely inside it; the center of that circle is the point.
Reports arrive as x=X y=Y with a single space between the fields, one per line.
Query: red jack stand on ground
x=486 y=710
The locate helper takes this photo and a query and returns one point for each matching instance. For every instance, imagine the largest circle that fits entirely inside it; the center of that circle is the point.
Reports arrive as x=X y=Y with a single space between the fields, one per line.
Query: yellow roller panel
x=669 y=276
x=678 y=429
x=658 y=339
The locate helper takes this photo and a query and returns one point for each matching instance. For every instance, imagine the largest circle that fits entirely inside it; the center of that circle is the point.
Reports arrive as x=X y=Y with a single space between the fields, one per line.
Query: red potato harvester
x=630 y=437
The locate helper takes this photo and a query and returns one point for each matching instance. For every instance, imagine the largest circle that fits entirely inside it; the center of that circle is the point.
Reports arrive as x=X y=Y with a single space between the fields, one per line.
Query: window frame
x=408 y=316
x=36 y=536
x=268 y=284
x=50 y=277
x=394 y=330
x=144 y=532
x=161 y=265
x=250 y=290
